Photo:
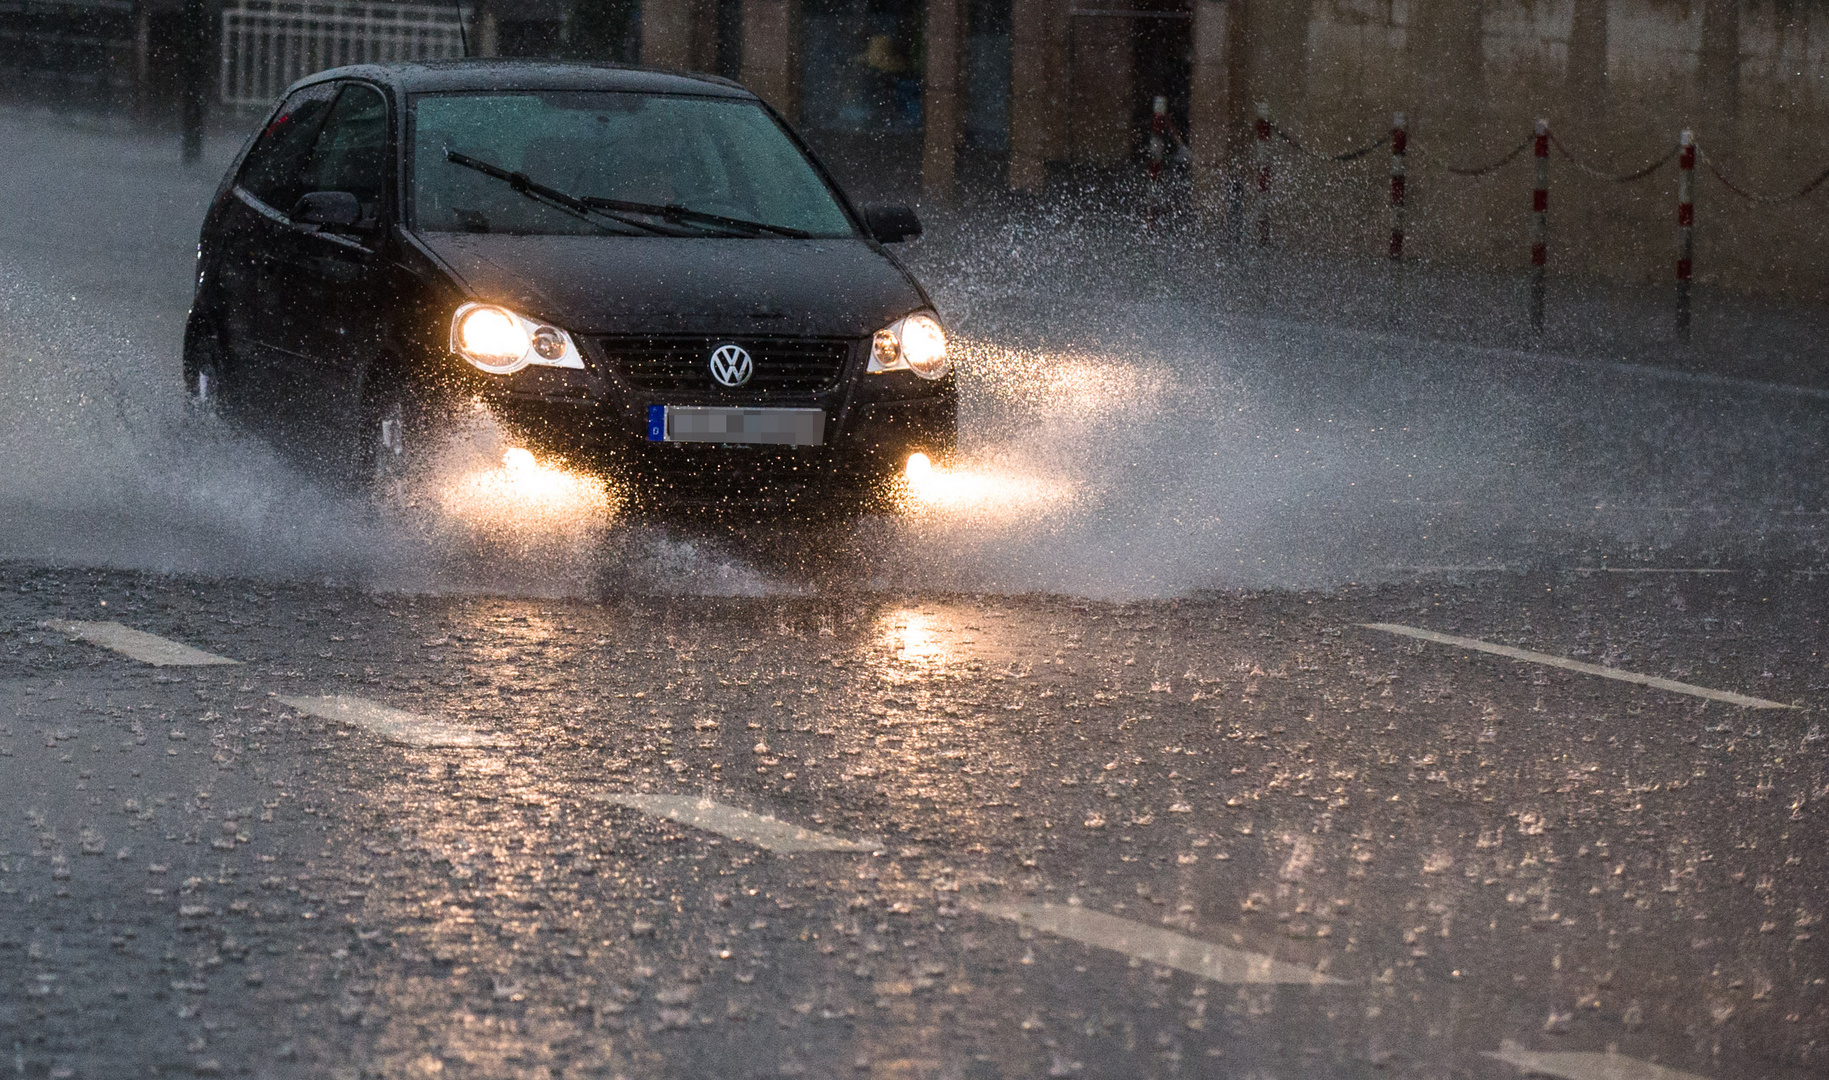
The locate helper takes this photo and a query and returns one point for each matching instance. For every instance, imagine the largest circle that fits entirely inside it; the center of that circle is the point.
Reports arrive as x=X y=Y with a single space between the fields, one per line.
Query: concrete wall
x=1617 y=79
x=679 y=34
x=770 y=51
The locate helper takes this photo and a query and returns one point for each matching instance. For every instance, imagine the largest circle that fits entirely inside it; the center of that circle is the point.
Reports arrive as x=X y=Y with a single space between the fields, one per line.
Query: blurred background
x=959 y=100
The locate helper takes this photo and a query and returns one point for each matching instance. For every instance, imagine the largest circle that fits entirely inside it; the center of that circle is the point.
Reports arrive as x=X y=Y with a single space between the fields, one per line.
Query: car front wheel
x=203 y=372
x=393 y=436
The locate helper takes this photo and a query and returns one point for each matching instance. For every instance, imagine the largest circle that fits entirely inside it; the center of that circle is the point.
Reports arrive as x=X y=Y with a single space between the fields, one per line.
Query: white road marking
x=1583 y=1065
x=761 y=830
x=393 y=724
x=138 y=644
x=1576 y=665
x=1651 y=570
x=1156 y=945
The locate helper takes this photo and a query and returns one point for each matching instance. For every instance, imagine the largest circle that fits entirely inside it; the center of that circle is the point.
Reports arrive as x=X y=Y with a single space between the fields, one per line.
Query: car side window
x=274 y=170
x=350 y=153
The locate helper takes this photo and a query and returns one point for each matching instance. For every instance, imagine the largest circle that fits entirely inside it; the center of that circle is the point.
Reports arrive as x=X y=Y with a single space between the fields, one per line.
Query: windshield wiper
x=680 y=215
x=539 y=192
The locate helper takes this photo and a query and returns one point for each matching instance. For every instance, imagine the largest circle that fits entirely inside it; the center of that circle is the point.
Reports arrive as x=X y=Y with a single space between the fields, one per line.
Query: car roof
x=507 y=73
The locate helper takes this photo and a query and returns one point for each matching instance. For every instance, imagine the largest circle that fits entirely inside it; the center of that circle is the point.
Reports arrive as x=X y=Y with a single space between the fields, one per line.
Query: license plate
x=701 y=423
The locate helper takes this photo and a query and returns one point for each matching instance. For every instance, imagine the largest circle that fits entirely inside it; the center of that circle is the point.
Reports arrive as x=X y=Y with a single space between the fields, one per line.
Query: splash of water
x=1125 y=431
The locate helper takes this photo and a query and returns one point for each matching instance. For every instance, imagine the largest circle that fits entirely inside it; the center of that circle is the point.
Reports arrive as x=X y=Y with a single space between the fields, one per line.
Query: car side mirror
x=892 y=224
x=336 y=209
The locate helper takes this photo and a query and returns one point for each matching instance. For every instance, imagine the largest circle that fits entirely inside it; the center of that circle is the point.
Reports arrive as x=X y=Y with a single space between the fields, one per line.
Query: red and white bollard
x=1686 y=227
x=1400 y=144
x=1540 y=223
x=1158 y=154
x=1263 y=173
x=1158 y=137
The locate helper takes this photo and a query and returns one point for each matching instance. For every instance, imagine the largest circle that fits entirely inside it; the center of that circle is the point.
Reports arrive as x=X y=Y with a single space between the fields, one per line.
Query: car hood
x=639 y=284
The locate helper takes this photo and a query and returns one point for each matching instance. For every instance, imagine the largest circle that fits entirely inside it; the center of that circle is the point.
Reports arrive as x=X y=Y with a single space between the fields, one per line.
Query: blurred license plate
x=698 y=423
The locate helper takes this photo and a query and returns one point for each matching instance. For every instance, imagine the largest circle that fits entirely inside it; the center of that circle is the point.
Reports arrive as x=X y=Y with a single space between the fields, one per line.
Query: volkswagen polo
x=636 y=271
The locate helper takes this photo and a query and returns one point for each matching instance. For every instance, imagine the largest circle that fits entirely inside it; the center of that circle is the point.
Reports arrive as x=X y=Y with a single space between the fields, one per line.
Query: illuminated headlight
x=500 y=342
x=916 y=343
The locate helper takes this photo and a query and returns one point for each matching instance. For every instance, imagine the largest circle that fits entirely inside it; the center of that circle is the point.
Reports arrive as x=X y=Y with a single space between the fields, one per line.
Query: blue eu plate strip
x=657 y=423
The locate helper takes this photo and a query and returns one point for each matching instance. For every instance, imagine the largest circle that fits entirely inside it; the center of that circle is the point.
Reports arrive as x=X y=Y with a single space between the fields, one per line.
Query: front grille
x=783 y=366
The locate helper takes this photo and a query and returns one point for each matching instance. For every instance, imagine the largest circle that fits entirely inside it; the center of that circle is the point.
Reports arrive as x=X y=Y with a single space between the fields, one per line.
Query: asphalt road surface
x=1236 y=835
x=925 y=800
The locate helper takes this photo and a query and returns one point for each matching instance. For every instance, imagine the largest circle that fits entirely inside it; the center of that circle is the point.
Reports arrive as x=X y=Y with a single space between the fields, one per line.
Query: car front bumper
x=873 y=424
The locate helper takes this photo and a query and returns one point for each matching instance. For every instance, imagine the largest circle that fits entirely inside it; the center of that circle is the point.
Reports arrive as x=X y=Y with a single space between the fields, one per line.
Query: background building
x=947 y=99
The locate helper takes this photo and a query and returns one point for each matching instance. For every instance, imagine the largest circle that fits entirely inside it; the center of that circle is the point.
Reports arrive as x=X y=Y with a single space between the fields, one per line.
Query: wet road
x=947 y=836
x=911 y=810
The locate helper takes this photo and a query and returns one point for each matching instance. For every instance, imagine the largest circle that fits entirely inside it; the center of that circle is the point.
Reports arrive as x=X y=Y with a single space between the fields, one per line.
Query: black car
x=637 y=271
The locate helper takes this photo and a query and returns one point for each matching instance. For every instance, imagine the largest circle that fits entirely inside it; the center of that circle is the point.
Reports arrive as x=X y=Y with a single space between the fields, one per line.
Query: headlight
x=500 y=342
x=916 y=343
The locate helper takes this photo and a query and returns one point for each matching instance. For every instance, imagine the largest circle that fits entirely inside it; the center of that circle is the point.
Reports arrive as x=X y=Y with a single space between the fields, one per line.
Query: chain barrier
x=1611 y=178
x=1289 y=139
x=1350 y=155
x=1482 y=170
x=1762 y=200
x=1685 y=154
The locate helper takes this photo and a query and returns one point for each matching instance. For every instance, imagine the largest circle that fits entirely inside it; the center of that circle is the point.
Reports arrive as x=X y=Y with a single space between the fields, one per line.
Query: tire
x=203 y=368
x=392 y=439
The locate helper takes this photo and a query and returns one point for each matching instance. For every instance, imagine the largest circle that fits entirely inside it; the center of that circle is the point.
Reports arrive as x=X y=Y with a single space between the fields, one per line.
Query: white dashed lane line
x=410 y=729
x=1651 y=570
x=763 y=831
x=1575 y=665
x=1150 y=944
x=1156 y=945
x=1583 y=1065
x=137 y=644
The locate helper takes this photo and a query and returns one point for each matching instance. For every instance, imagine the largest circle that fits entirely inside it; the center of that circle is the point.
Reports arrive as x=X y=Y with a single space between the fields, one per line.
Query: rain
x=1361 y=615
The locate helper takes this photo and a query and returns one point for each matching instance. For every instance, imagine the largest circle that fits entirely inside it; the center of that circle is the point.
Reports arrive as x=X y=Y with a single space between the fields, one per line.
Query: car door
x=252 y=243
x=332 y=310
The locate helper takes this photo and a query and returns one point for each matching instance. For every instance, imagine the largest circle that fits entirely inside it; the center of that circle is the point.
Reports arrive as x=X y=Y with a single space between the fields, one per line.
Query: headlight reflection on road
x=527 y=493
x=913 y=636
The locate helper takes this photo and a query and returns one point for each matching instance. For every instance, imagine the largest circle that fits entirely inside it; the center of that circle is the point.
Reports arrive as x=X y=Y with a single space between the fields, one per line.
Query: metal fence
x=72 y=52
x=269 y=44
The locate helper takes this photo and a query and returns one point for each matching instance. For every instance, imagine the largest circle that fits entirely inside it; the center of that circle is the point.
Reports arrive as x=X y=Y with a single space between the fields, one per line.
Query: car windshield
x=707 y=156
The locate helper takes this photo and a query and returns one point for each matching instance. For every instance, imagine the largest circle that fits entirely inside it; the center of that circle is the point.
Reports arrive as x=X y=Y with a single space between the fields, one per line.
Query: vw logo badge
x=731 y=365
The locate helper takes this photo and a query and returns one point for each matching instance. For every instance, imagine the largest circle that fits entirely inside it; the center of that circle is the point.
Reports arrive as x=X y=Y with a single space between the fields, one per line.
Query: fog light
x=919 y=465
x=518 y=460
